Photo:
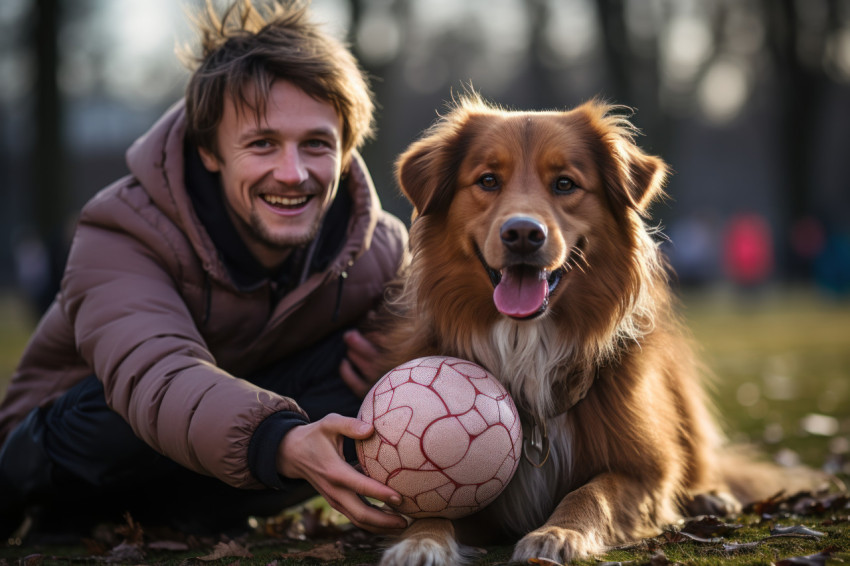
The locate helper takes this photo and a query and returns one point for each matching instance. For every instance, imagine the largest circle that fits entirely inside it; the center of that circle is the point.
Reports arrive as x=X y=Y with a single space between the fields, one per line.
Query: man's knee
x=76 y=439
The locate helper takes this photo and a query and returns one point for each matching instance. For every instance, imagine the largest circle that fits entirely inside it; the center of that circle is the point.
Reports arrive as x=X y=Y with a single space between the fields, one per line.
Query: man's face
x=280 y=175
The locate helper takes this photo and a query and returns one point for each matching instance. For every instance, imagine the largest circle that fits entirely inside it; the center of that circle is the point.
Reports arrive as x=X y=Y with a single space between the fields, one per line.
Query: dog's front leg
x=426 y=542
x=610 y=509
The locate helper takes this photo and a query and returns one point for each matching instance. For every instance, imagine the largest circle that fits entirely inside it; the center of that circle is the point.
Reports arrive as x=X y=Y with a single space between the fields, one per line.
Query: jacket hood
x=157 y=161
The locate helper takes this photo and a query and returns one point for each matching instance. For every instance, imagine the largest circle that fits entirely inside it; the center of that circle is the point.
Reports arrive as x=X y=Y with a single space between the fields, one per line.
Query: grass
x=17 y=321
x=778 y=359
x=782 y=366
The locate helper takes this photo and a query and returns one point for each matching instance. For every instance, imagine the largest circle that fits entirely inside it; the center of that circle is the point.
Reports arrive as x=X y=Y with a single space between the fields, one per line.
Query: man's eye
x=317 y=144
x=261 y=144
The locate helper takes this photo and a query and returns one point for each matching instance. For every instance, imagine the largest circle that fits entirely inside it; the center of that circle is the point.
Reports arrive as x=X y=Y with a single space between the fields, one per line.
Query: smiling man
x=202 y=362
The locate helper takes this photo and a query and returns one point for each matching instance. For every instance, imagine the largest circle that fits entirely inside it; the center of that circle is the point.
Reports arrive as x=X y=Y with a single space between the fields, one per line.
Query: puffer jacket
x=147 y=305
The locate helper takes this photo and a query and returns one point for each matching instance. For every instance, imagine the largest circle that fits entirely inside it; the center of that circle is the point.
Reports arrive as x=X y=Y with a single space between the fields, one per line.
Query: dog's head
x=533 y=201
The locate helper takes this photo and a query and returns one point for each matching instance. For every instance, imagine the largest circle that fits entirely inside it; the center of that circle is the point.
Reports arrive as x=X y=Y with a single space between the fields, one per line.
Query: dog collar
x=535 y=438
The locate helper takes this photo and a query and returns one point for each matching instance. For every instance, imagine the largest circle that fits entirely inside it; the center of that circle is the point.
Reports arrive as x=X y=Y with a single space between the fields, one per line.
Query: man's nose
x=289 y=167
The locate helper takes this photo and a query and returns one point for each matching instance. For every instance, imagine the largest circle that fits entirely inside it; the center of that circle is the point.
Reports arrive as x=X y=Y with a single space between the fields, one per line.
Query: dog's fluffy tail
x=751 y=478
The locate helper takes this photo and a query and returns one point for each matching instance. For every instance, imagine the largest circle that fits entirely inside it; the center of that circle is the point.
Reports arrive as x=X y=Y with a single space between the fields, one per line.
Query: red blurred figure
x=748 y=252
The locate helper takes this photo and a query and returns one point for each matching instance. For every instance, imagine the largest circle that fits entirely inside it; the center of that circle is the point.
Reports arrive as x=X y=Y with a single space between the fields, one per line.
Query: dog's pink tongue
x=521 y=292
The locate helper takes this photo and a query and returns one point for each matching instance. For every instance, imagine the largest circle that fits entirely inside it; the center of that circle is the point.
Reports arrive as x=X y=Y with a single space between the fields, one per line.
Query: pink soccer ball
x=447 y=436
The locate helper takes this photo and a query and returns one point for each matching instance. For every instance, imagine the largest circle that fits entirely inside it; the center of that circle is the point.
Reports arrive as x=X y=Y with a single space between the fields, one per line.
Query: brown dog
x=530 y=256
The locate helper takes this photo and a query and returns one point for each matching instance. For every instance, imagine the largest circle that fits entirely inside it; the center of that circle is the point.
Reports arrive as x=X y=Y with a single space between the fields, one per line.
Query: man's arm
x=135 y=330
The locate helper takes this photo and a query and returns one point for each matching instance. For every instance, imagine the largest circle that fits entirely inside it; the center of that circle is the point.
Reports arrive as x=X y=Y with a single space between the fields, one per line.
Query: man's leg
x=78 y=457
x=74 y=458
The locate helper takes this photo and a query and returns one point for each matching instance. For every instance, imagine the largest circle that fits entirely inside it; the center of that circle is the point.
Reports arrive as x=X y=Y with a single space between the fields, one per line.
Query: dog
x=530 y=255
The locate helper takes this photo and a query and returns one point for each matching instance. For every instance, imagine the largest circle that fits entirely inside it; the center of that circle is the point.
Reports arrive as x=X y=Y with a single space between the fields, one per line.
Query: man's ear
x=210 y=161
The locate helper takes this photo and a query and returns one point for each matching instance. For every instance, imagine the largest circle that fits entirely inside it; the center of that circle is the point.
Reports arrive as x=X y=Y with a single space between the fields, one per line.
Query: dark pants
x=79 y=460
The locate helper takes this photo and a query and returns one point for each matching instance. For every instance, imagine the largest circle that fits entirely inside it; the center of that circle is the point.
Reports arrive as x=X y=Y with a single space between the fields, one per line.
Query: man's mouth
x=286 y=203
x=522 y=290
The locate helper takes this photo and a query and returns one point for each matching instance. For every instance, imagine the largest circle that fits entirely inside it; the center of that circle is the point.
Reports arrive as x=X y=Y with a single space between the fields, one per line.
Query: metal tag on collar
x=535 y=443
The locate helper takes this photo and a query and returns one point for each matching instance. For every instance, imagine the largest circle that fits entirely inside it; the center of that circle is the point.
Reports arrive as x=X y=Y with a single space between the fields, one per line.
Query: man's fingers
x=347 y=426
x=362 y=513
x=358 y=343
x=353 y=380
x=370 y=518
x=368 y=487
x=363 y=356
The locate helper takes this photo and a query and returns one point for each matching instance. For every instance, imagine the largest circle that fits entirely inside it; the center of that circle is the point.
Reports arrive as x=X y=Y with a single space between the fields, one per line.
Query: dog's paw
x=717 y=503
x=422 y=552
x=555 y=543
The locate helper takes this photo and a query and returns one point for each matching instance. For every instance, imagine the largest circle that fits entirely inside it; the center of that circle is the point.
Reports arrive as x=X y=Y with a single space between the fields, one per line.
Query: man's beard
x=262 y=235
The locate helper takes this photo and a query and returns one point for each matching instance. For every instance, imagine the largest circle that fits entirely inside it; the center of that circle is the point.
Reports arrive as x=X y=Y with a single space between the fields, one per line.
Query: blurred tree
x=798 y=34
x=49 y=205
x=632 y=68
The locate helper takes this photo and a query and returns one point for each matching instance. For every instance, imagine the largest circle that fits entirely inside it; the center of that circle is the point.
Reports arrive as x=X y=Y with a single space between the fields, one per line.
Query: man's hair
x=245 y=49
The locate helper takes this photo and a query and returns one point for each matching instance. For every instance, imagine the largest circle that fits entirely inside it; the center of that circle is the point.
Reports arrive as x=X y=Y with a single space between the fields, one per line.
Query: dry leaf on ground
x=174 y=545
x=324 y=552
x=126 y=553
x=709 y=526
x=795 y=530
x=230 y=549
x=818 y=559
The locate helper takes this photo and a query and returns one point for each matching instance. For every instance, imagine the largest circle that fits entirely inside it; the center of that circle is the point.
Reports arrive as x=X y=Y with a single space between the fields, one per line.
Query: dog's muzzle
x=522 y=288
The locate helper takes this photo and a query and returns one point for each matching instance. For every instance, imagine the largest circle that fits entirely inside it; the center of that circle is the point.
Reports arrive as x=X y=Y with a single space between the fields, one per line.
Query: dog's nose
x=523 y=235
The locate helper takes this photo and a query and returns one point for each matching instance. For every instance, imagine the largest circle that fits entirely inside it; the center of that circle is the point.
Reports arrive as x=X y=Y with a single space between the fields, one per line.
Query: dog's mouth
x=522 y=291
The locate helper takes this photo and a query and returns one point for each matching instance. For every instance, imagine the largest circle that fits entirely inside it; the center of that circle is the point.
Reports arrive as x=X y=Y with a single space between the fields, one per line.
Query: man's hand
x=359 y=369
x=314 y=452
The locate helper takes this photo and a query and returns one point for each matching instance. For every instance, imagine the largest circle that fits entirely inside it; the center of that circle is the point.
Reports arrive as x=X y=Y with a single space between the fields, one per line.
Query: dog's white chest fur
x=527 y=358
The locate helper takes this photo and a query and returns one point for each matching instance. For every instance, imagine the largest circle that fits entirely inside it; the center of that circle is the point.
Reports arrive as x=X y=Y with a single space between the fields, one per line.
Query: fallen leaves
x=795 y=530
x=131 y=543
x=712 y=535
x=314 y=535
x=328 y=552
x=229 y=549
x=818 y=559
x=709 y=526
x=804 y=503
x=125 y=553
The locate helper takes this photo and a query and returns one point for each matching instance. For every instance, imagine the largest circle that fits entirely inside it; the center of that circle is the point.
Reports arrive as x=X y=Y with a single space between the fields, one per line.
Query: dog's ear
x=427 y=171
x=425 y=174
x=635 y=178
x=643 y=175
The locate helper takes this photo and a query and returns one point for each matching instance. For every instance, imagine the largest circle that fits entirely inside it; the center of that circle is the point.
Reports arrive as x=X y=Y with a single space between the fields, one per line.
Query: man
x=197 y=362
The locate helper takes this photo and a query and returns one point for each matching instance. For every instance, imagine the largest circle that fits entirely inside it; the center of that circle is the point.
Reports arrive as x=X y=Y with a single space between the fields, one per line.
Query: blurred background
x=748 y=100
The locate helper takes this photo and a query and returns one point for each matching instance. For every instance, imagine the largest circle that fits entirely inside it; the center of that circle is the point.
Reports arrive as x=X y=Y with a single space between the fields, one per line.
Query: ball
x=447 y=436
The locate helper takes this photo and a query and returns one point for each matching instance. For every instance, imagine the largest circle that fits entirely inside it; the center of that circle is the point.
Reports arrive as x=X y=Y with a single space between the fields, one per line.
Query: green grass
x=778 y=358
x=17 y=321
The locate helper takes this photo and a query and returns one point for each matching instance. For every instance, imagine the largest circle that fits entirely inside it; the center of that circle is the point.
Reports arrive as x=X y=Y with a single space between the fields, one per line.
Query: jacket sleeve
x=390 y=243
x=135 y=330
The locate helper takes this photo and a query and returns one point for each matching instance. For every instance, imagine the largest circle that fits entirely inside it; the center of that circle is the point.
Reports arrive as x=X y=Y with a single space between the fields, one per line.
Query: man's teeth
x=284 y=201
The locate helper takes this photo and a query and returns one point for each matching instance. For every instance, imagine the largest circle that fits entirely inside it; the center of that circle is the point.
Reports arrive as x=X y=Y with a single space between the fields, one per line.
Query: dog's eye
x=565 y=185
x=488 y=182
